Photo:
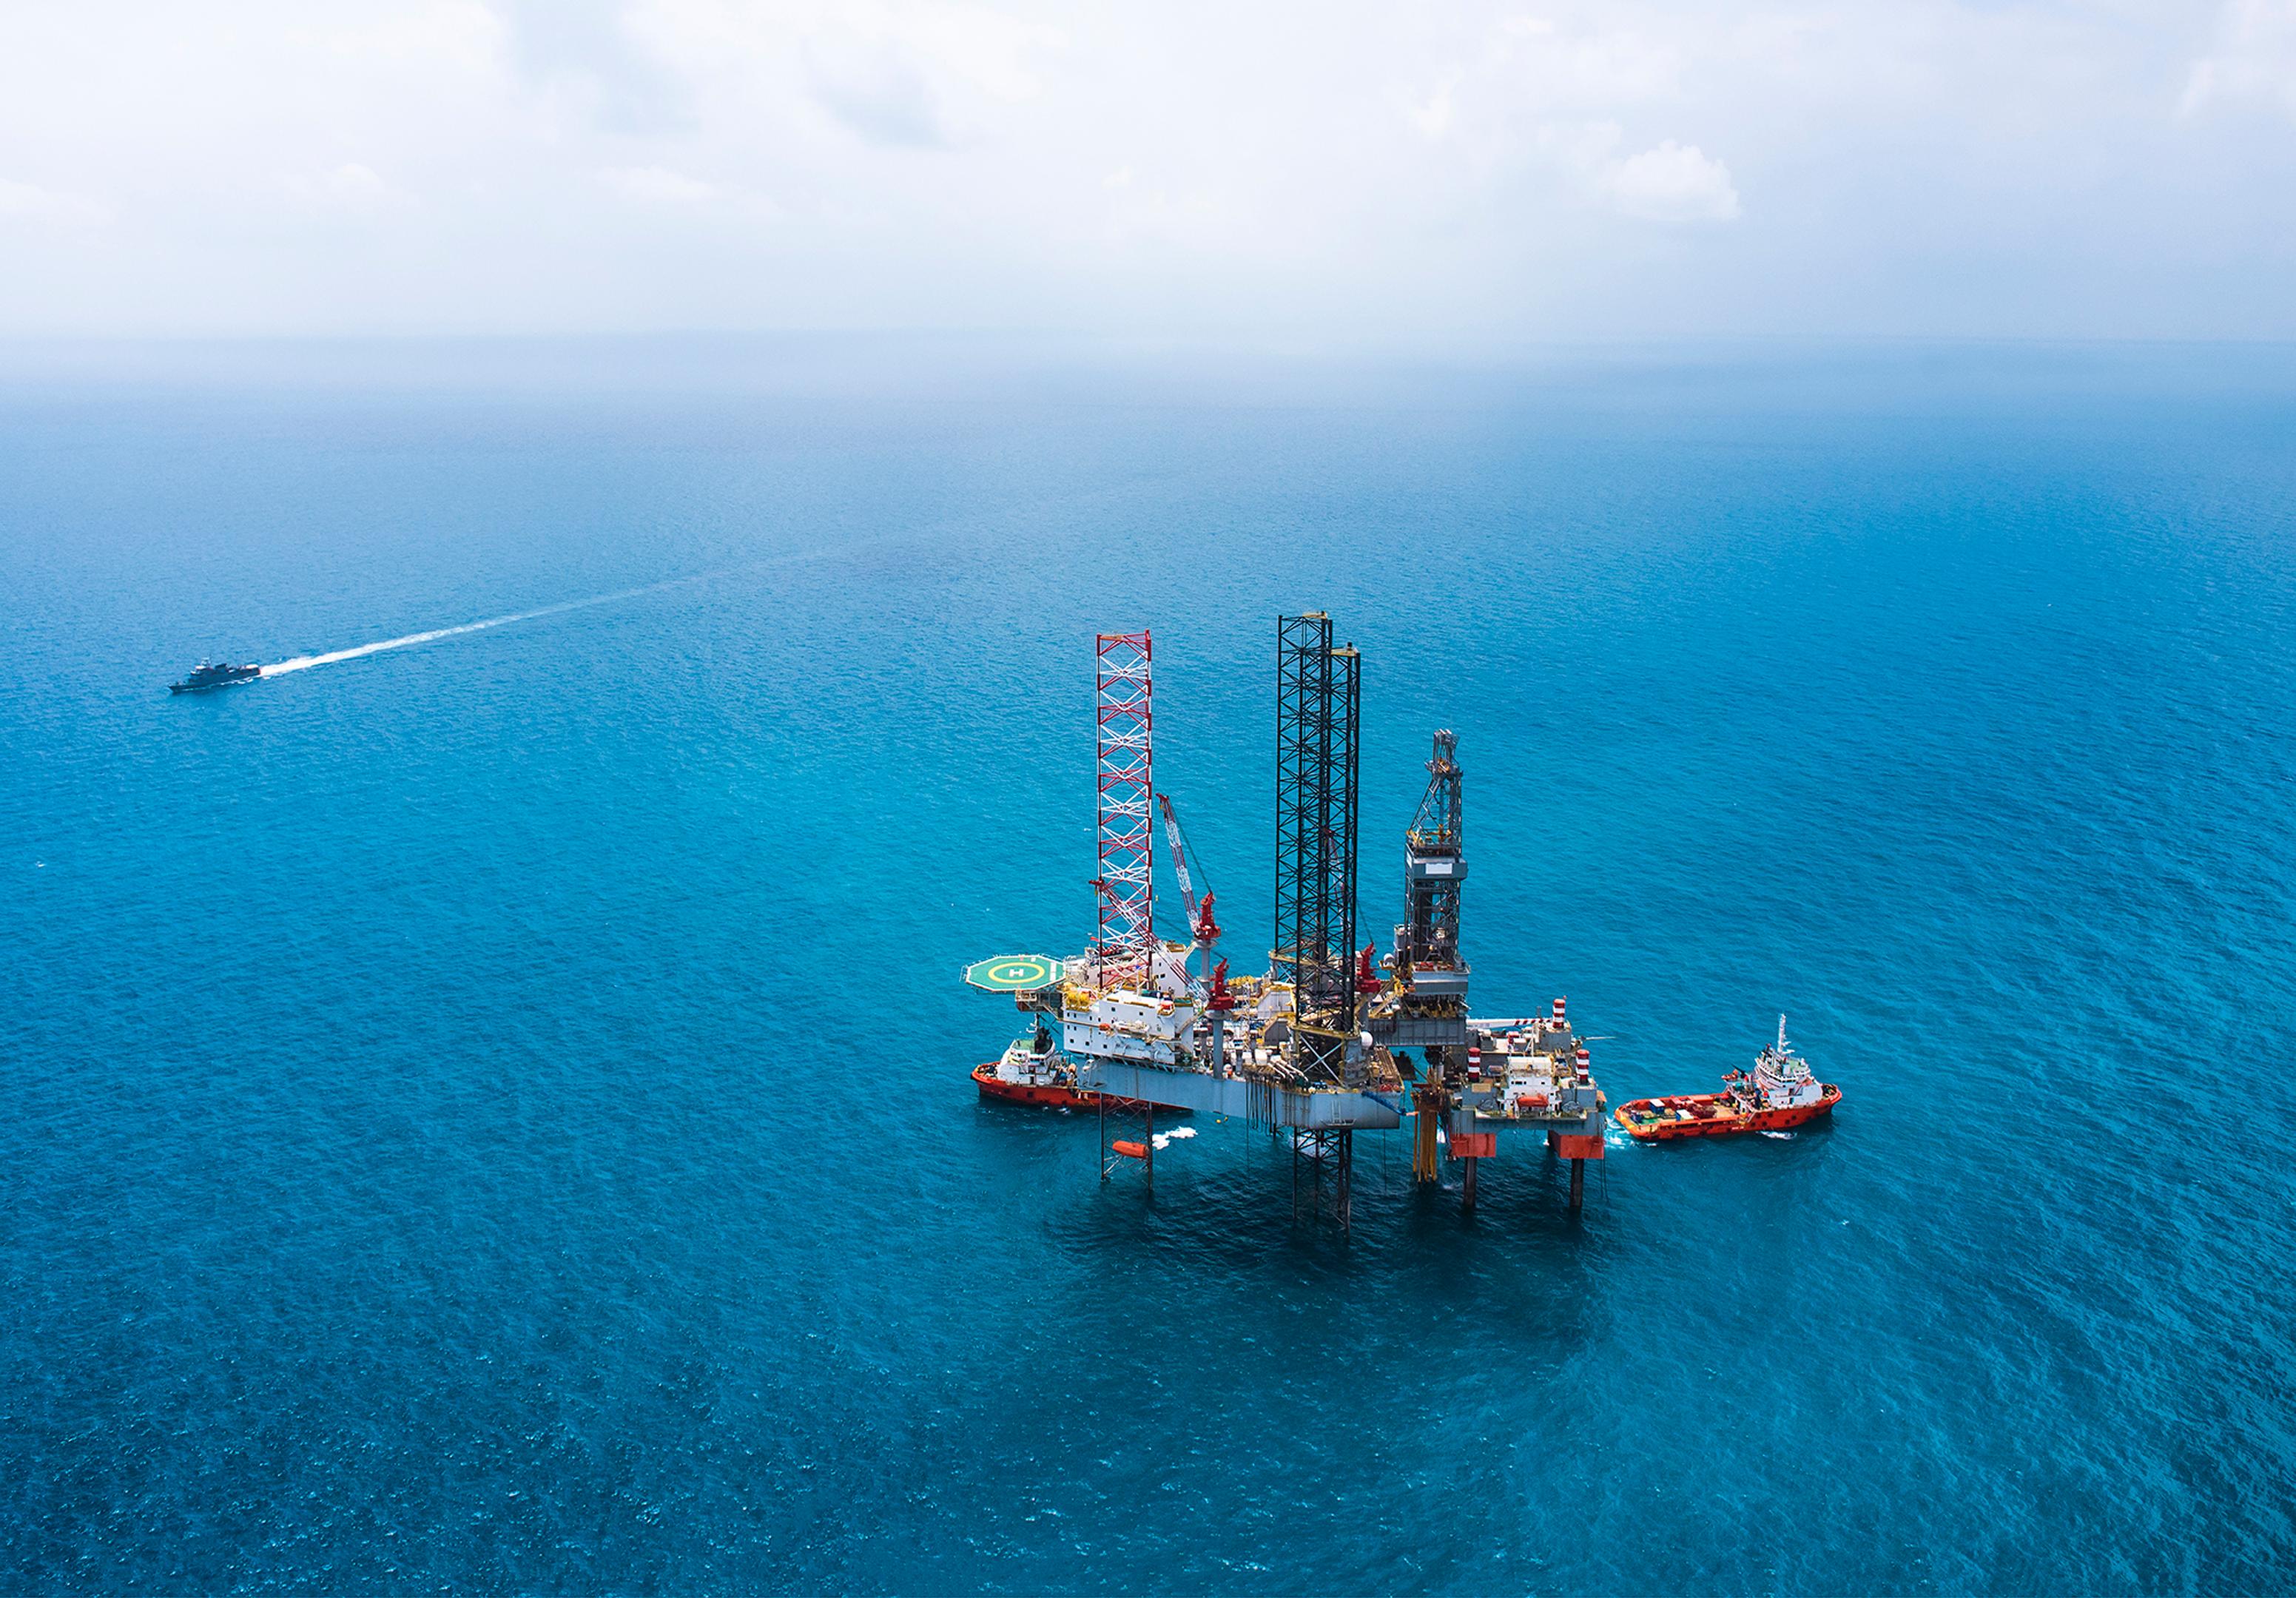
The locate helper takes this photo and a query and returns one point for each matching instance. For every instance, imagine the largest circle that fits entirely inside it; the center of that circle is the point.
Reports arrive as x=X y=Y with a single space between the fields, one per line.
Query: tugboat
x=1033 y=1072
x=1778 y=1094
x=205 y=678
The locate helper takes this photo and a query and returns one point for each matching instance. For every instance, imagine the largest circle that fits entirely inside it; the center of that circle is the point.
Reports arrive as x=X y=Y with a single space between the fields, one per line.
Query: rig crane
x=1203 y=930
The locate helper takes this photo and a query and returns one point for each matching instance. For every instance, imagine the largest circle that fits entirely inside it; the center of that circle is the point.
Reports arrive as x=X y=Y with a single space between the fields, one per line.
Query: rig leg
x=1425 y=1157
x=1467 y=1187
x=1344 y=1166
x=1578 y=1184
x=1149 y=1160
x=1102 y=1100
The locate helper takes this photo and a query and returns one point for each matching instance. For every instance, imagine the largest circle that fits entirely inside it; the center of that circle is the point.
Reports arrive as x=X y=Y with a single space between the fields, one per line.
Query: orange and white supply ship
x=1031 y=1071
x=1779 y=1094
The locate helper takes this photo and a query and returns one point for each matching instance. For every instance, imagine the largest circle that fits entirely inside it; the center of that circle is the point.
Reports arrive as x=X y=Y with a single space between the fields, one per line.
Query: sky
x=1445 y=176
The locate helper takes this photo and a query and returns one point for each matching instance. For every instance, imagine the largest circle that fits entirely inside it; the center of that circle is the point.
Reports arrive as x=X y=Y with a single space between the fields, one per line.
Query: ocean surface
x=492 y=1115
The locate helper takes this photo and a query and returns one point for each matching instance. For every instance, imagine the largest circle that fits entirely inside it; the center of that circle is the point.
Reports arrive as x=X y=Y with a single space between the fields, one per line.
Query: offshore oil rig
x=1322 y=1046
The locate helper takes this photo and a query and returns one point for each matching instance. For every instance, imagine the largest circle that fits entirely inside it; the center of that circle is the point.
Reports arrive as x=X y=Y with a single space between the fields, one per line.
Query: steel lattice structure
x=1431 y=927
x=1126 y=790
x=1318 y=694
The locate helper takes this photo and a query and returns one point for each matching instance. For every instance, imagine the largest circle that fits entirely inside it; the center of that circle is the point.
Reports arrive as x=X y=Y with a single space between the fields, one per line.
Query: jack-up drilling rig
x=1316 y=1048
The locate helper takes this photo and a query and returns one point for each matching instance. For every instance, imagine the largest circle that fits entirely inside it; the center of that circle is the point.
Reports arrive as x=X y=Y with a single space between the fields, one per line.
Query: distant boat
x=205 y=677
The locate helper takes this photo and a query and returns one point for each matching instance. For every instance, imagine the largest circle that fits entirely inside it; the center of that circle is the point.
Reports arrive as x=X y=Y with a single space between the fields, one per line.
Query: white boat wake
x=305 y=662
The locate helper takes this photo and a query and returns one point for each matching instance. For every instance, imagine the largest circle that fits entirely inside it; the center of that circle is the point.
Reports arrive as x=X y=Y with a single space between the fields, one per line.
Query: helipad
x=1014 y=973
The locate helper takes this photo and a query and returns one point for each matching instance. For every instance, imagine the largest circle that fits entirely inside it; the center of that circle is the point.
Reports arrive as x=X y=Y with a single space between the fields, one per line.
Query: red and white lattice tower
x=1126 y=884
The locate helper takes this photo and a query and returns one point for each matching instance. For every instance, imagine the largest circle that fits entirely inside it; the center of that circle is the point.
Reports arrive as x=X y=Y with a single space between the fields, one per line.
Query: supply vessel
x=1032 y=1071
x=1780 y=1093
x=205 y=677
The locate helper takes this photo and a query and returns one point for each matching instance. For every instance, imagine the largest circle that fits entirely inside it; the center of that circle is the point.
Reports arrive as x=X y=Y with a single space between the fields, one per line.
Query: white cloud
x=1433 y=119
x=1540 y=90
x=464 y=35
x=1322 y=169
x=900 y=74
x=358 y=184
x=29 y=202
x=2253 y=58
x=656 y=185
x=352 y=189
x=879 y=92
x=1672 y=183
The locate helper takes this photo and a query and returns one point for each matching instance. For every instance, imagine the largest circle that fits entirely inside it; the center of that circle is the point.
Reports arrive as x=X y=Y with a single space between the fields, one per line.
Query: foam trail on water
x=305 y=662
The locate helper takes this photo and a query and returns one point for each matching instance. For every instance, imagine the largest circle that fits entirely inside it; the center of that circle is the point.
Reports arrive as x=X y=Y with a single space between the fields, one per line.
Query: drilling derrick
x=1434 y=866
x=1126 y=786
x=1318 y=692
x=1431 y=1004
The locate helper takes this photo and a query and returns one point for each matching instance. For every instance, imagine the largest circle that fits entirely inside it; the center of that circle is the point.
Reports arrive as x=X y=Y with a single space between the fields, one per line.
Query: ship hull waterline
x=211 y=687
x=1051 y=1095
x=1719 y=1119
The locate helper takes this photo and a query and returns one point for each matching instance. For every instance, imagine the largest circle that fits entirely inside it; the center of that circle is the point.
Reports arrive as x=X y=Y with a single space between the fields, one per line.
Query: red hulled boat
x=1031 y=1071
x=1779 y=1094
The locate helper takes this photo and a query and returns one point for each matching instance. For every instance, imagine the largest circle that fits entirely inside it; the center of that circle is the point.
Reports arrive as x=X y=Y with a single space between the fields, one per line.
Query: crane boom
x=1201 y=928
x=1179 y=855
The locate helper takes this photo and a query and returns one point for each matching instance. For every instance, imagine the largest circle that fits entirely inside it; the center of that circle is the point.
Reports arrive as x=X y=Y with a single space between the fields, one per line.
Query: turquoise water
x=493 y=1115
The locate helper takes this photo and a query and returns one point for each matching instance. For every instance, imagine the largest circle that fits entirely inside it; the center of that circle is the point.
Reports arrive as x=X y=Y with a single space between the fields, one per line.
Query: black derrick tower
x=1431 y=971
x=1434 y=866
x=1318 y=694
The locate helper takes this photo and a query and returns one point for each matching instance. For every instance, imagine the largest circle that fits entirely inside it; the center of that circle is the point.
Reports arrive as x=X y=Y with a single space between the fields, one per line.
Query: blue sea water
x=493 y=1115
